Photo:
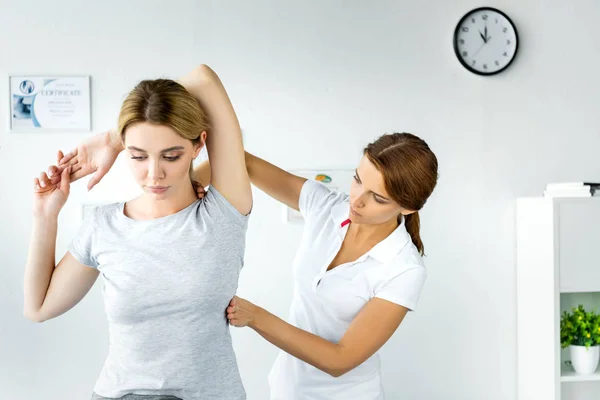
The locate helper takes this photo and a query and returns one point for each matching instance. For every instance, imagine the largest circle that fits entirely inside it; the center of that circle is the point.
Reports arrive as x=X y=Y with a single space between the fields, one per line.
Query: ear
x=407 y=212
x=200 y=145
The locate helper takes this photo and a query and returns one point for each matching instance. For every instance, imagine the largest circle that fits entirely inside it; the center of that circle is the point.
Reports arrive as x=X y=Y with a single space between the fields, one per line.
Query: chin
x=355 y=219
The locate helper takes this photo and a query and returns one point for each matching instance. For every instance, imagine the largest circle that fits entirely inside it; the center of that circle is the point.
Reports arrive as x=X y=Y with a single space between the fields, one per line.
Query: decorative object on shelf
x=572 y=189
x=580 y=331
x=485 y=41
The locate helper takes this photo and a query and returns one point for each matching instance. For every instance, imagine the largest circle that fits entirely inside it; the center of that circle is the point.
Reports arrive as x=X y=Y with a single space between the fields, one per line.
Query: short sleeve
x=219 y=207
x=404 y=289
x=82 y=244
x=316 y=197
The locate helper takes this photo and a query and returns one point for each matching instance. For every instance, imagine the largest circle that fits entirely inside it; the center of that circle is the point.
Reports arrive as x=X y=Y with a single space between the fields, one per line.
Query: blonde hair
x=163 y=102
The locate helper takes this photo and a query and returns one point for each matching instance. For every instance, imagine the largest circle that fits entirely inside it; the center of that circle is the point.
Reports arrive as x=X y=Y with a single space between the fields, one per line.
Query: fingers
x=43 y=180
x=54 y=174
x=42 y=184
x=68 y=158
x=200 y=192
x=52 y=171
x=77 y=173
x=74 y=167
x=65 y=180
x=231 y=313
x=97 y=177
x=59 y=156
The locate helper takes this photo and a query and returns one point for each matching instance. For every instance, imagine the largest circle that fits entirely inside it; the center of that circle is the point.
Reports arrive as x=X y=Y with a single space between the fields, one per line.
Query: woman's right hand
x=49 y=198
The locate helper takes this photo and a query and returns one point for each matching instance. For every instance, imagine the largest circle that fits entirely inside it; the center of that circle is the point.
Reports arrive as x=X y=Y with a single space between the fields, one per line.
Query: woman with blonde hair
x=170 y=261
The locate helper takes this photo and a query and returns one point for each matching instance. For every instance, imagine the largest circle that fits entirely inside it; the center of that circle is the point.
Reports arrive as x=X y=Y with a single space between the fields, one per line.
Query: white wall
x=313 y=82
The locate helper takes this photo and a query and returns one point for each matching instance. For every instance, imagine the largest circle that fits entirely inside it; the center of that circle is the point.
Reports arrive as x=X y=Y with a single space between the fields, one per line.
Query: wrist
x=45 y=219
x=259 y=314
x=113 y=141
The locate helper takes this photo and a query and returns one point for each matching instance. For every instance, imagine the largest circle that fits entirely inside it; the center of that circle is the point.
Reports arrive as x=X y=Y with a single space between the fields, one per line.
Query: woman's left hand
x=241 y=312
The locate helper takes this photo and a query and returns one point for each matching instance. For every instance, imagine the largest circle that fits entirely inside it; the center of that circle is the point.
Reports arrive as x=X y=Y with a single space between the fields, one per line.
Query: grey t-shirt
x=167 y=284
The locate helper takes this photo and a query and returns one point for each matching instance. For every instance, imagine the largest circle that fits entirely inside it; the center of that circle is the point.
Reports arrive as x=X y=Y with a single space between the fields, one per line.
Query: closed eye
x=167 y=158
x=377 y=199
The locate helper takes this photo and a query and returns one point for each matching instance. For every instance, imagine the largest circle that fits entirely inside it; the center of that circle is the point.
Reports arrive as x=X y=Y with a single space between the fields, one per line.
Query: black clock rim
x=457 y=52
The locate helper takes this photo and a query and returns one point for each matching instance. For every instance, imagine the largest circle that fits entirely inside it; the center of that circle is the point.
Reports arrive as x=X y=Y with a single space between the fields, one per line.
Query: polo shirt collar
x=384 y=251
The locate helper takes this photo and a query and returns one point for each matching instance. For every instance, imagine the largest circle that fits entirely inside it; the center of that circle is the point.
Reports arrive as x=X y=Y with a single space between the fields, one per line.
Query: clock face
x=485 y=41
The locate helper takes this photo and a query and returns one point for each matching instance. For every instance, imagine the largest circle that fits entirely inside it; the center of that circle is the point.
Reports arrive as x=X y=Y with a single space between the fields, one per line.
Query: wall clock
x=485 y=41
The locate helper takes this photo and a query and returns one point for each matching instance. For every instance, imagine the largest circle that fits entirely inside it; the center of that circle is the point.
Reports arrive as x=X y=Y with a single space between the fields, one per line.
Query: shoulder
x=401 y=283
x=316 y=198
x=408 y=263
x=218 y=209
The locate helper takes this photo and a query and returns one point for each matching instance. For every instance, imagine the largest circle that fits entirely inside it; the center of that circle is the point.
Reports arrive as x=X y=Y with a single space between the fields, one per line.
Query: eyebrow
x=162 y=151
x=376 y=194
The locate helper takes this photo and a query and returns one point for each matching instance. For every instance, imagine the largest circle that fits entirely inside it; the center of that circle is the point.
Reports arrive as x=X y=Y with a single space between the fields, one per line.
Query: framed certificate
x=50 y=104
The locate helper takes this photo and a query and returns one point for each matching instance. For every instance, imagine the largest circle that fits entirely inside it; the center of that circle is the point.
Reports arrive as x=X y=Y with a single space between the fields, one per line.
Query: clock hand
x=483 y=37
x=480 y=47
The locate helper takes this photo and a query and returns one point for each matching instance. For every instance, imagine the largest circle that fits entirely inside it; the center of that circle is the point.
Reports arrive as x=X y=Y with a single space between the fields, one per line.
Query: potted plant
x=580 y=331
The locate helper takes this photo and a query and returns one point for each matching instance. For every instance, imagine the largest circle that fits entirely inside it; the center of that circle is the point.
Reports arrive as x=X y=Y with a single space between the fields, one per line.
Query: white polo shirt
x=326 y=302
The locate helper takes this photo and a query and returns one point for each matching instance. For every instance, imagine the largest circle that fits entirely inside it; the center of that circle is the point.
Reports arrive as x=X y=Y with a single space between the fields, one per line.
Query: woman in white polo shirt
x=357 y=272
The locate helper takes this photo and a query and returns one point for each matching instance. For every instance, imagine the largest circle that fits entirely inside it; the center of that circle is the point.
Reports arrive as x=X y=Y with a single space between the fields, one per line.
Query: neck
x=363 y=233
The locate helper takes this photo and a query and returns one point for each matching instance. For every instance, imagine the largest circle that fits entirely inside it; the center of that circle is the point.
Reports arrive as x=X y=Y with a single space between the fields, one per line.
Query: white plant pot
x=584 y=361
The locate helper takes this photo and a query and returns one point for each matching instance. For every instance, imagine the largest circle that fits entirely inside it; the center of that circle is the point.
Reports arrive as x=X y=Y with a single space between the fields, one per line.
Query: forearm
x=208 y=90
x=310 y=348
x=274 y=181
x=40 y=264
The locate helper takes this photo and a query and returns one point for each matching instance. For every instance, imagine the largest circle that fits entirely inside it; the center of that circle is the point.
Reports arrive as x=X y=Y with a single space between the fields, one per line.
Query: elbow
x=34 y=316
x=203 y=73
x=339 y=366
x=337 y=372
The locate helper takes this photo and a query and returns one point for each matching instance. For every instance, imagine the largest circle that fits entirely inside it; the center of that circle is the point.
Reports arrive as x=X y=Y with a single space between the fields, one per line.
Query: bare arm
x=371 y=328
x=224 y=141
x=277 y=183
x=50 y=291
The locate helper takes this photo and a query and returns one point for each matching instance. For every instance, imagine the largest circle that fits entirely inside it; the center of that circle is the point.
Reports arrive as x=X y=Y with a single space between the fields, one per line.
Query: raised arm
x=224 y=141
x=51 y=290
x=97 y=154
x=274 y=181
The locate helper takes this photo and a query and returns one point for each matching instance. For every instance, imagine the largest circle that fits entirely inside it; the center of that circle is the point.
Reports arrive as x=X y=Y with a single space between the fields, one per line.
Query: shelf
x=567 y=374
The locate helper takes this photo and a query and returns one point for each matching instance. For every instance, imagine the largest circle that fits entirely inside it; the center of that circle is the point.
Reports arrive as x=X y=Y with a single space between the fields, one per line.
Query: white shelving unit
x=558 y=267
x=568 y=375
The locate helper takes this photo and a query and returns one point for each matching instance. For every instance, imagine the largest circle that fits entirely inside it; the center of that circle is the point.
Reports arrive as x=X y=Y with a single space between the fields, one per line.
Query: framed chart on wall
x=336 y=180
x=49 y=104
